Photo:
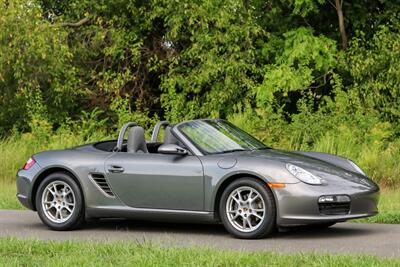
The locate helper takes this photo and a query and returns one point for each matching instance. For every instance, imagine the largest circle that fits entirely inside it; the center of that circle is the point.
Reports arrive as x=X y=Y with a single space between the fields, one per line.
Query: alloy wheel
x=58 y=201
x=245 y=209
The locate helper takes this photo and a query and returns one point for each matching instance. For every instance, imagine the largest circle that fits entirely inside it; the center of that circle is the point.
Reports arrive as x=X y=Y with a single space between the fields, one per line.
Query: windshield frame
x=204 y=152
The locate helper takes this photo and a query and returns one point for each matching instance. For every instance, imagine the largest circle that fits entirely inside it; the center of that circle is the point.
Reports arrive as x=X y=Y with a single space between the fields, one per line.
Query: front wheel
x=59 y=202
x=247 y=209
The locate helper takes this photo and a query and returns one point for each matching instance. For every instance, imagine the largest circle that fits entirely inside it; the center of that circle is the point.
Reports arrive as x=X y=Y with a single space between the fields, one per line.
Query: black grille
x=334 y=208
x=100 y=180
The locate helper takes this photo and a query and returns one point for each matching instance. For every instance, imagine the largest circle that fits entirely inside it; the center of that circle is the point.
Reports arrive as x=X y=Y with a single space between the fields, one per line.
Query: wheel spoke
x=240 y=195
x=67 y=191
x=254 y=198
x=69 y=203
x=250 y=194
x=50 y=207
x=51 y=191
x=258 y=210
x=249 y=223
x=235 y=216
x=236 y=200
x=68 y=209
x=256 y=215
x=55 y=188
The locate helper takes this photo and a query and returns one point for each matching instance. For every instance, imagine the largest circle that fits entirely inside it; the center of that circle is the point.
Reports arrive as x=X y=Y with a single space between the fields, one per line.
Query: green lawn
x=15 y=252
x=389 y=205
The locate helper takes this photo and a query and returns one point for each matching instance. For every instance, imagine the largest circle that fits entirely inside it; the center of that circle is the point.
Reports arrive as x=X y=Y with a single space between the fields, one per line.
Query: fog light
x=331 y=199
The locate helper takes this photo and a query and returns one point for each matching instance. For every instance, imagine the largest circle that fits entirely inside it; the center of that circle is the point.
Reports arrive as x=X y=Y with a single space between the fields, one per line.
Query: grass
x=15 y=252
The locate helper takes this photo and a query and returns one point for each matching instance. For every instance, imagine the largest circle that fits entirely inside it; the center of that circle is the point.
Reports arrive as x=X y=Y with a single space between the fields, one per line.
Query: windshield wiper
x=231 y=150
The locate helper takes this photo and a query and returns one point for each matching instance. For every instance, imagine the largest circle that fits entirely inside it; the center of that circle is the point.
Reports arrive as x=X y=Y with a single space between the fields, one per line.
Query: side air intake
x=101 y=182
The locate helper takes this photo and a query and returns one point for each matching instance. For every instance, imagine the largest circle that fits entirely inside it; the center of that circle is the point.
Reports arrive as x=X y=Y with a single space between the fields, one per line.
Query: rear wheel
x=247 y=209
x=59 y=202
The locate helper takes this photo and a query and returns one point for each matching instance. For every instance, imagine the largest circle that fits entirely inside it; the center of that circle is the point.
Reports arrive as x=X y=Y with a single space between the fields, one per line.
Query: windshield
x=213 y=137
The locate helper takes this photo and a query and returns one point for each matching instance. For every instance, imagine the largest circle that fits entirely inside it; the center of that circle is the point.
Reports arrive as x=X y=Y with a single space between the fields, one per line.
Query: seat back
x=136 y=140
x=169 y=138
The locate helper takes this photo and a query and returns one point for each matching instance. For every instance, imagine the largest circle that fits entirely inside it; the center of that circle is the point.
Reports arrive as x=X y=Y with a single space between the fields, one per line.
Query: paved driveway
x=373 y=239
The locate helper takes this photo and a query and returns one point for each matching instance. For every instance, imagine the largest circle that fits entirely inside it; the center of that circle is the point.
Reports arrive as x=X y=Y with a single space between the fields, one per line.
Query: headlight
x=303 y=175
x=358 y=169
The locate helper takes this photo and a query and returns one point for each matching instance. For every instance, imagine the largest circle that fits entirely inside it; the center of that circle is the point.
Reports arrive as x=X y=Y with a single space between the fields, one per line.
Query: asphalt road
x=343 y=238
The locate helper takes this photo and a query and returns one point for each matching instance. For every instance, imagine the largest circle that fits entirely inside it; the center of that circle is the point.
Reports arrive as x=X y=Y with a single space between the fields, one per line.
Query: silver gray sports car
x=203 y=171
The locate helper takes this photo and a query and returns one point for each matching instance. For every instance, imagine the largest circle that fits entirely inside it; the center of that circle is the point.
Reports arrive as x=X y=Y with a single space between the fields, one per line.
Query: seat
x=136 y=140
x=169 y=138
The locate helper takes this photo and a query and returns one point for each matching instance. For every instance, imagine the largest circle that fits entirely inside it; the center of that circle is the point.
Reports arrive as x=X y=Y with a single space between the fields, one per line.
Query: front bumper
x=297 y=204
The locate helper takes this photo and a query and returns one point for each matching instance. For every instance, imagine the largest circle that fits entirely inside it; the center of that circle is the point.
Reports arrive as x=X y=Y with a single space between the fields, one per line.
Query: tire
x=264 y=201
x=54 y=209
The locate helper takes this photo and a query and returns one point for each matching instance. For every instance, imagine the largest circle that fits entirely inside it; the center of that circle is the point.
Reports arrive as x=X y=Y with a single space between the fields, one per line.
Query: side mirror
x=172 y=149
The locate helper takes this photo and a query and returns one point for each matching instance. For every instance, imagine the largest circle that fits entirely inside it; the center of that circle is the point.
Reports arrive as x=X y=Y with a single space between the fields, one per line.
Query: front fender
x=216 y=178
x=329 y=158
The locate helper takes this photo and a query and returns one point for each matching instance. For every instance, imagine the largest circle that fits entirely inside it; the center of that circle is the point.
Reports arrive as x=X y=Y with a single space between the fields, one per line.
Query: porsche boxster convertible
x=203 y=171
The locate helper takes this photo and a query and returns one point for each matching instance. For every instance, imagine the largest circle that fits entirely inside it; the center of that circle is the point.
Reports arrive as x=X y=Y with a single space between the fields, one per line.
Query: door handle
x=115 y=169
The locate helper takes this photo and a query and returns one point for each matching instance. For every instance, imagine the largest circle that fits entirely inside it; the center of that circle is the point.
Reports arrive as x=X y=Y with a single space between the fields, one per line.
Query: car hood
x=331 y=168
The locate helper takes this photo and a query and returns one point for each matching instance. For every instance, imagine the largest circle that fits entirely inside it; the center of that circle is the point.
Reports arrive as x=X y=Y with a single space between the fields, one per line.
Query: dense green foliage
x=189 y=59
x=15 y=252
x=283 y=69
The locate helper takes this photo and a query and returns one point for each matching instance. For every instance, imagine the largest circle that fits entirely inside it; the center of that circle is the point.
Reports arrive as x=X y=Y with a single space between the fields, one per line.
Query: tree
x=37 y=78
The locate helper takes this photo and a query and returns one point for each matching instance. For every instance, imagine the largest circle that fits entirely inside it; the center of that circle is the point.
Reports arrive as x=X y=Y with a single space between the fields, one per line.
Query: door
x=157 y=181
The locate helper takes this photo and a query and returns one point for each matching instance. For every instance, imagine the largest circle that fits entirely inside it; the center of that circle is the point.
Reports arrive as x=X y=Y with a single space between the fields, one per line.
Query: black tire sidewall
x=269 y=223
x=78 y=213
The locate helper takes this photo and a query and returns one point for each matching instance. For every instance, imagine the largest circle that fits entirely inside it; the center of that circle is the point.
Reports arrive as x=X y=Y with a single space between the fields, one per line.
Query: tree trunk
x=343 y=35
x=76 y=24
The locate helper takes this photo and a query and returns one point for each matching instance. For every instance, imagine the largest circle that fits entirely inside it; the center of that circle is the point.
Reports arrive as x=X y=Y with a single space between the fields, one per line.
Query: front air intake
x=334 y=208
x=101 y=182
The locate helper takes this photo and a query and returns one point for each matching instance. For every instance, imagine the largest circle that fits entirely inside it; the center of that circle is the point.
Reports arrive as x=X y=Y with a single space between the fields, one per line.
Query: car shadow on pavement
x=306 y=232
x=310 y=232
x=154 y=227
